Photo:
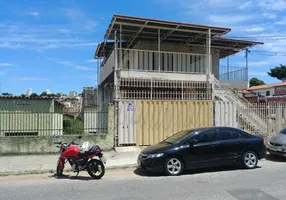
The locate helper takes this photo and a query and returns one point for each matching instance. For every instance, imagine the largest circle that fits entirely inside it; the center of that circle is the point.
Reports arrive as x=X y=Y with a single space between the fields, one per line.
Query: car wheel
x=173 y=166
x=249 y=160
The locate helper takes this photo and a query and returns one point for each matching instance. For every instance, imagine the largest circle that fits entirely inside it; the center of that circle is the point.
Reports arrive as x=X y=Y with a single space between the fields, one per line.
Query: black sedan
x=203 y=147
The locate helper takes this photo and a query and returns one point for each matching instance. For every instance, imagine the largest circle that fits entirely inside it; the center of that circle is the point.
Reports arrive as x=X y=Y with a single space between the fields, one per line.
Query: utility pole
x=246 y=66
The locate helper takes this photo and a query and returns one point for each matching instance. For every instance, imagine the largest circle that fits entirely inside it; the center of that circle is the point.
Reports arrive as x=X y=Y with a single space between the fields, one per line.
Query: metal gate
x=225 y=114
x=127 y=123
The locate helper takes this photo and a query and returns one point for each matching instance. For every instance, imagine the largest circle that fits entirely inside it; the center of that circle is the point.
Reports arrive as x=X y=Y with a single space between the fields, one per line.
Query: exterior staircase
x=248 y=118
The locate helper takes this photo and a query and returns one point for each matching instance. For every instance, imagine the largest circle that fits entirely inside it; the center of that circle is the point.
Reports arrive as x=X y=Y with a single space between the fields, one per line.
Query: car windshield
x=178 y=137
x=283 y=131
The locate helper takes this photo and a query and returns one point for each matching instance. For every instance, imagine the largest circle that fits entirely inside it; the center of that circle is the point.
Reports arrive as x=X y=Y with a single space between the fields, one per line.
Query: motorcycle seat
x=91 y=151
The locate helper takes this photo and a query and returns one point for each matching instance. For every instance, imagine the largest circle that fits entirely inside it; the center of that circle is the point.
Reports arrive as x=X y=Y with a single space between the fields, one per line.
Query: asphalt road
x=267 y=182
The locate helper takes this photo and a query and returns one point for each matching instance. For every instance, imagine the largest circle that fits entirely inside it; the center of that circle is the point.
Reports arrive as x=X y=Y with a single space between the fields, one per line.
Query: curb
x=31 y=172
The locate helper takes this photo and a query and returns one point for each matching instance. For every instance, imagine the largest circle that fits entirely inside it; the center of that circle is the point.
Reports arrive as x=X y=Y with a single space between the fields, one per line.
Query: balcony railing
x=232 y=73
x=144 y=60
x=154 y=61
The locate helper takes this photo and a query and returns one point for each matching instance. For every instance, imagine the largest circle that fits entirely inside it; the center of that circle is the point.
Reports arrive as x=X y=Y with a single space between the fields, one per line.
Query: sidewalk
x=29 y=164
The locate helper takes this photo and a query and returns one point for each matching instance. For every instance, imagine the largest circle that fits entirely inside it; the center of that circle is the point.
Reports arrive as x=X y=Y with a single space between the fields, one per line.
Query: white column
x=115 y=67
x=159 y=57
x=209 y=52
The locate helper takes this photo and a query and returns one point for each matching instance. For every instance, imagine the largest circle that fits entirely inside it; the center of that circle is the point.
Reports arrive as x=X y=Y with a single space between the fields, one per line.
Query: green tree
x=52 y=95
x=44 y=94
x=34 y=95
x=255 y=81
x=278 y=72
x=7 y=94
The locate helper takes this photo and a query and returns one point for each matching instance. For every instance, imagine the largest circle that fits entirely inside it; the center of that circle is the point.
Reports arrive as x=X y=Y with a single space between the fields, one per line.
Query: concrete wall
x=235 y=83
x=162 y=75
x=45 y=144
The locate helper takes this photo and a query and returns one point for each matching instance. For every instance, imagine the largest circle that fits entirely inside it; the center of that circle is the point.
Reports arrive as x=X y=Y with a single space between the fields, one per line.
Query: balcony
x=235 y=76
x=232 y=73
x=160 y=63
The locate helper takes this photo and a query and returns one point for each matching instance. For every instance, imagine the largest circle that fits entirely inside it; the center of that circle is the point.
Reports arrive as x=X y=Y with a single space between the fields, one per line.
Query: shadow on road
x=69 y=177
x=275 y=158
x=142 y=172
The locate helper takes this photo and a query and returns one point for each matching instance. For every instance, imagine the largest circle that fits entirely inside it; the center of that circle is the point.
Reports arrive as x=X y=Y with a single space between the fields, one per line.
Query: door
x=204 y=153
x=231 y=146
x=127 y=123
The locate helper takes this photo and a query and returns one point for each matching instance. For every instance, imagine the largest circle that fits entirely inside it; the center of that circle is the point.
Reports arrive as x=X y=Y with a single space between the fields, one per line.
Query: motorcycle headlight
x=156 y=155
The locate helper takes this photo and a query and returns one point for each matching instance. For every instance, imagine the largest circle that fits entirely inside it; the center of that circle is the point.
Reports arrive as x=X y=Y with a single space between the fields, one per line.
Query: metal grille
x=156 y=89
x=24 y=123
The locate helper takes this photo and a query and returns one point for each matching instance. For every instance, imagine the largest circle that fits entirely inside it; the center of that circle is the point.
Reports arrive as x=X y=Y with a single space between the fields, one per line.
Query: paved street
x=268 y=182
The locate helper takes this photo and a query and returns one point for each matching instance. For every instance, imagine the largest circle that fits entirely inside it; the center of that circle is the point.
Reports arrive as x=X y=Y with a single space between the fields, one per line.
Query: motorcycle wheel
x=59 y=170
x=93 y=167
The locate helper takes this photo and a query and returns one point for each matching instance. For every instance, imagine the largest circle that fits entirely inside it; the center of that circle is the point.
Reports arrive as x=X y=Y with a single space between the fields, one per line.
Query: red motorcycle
x=81 y=159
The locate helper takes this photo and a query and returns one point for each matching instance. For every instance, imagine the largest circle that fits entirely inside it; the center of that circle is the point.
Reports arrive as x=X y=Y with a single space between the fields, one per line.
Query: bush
x=72 y=126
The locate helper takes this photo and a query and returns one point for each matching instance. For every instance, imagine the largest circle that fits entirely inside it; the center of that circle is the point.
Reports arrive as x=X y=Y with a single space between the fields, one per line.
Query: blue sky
x=49 y=44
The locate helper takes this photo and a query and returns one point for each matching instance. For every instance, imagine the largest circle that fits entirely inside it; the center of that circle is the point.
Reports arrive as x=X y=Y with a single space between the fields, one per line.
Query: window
x=208 y=136
x=283 y=131
x=178 y=137
x=228 y=134
x=267 y=93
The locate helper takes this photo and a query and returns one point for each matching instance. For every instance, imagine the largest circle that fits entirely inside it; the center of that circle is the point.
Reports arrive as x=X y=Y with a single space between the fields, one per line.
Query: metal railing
x=232 y=73
x=25 y=123
x=157 y=89
x=175 y=62
x=154 y=61
x=245 y=110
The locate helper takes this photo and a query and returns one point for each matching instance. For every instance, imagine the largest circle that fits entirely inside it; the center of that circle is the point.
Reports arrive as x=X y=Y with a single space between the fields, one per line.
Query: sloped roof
x=259 y=87
x=134 y=29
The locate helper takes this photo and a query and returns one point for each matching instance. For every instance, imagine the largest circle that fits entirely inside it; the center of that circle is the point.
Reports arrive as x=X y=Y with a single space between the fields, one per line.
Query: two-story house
x=150 y=59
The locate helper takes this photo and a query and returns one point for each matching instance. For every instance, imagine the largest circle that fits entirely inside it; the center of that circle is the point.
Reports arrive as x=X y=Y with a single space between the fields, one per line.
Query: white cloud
x=9 y=45
x=84 y=68
x=35 y=14
x=281 y=21
x=258 y=63
x=31 y=79
x=269 y=15
x=70 y=64
x=91 y=60
x=245 y=5
x=255 y=29
x=65 y=31
x=258 y=73
x=5 y=64
x=230 y=19
x=81 y=77
x=275 y=5
x=3 y=72
x=81 y=19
